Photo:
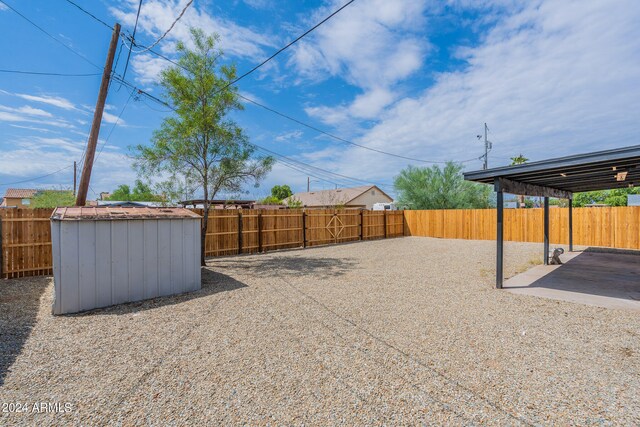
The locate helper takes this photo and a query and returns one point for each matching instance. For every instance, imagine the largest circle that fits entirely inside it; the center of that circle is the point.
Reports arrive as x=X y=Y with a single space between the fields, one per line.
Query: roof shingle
x=20 y=193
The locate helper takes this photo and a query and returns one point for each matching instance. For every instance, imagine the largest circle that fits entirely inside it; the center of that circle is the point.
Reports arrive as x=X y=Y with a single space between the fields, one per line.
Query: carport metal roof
x=582 y=172
x=561 y=177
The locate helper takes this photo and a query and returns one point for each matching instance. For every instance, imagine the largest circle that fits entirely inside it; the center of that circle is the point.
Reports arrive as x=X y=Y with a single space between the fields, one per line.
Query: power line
x=316 y=129
x=133 y=43
x=133 y=37
x=115 y=124
x=346 y=141
x=142 y=92
x=90 y=14
x=169 y=30
x=36 y=178
x=288 y=45
x=49 y=34
x=38 y=73
x=316 y=168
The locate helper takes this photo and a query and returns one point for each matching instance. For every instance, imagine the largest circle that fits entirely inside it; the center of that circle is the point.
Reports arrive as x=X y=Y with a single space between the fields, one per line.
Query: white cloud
x=550 y=79
x=34 y=128
x=258 y=4
x=372 y=44
x=27 y=110
x=288 y=136
x=36 y=156
x=56 y=101
x=112 y=118
x=156 y=16
x=31 y=115
x=148 y=67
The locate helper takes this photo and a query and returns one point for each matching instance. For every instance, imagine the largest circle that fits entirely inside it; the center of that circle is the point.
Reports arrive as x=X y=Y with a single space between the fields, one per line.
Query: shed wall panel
x=87 y=264
x=70 y=301
x=135 y=247
x=177 y=266
x=119 y=262
x=164 y=257
x=103 y=264
x=151 y=259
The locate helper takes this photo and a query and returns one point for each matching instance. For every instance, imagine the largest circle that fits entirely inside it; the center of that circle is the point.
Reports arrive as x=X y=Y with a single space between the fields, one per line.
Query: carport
x=559 y=177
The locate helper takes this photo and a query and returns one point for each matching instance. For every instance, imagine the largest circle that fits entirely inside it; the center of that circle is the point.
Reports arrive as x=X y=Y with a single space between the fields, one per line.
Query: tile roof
x=20 y=193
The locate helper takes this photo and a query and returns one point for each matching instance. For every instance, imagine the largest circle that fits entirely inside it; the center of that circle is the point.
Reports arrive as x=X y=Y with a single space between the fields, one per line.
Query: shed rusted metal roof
x=118 y=213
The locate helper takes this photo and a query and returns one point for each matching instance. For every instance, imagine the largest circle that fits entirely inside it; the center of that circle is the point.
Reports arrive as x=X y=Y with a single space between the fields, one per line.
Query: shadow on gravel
x=19 y=305
x=288 y=265
x=599 y=272
x=212 y=283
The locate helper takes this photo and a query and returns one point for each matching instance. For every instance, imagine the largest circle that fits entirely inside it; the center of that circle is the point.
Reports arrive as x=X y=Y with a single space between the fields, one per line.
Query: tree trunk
x=205 y=223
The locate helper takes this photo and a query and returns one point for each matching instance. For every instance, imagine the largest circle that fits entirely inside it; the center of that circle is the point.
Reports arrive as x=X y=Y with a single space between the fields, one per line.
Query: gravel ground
x=402 y=331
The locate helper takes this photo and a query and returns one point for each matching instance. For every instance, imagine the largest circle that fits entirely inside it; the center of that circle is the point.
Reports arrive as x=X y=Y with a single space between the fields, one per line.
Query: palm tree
x=519 y=160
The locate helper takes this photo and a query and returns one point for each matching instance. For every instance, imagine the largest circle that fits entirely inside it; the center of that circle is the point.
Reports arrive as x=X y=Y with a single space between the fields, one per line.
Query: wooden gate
x=324 y=226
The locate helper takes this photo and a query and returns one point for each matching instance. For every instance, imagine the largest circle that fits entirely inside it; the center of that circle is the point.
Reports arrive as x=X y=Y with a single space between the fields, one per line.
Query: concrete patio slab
x=602 y=278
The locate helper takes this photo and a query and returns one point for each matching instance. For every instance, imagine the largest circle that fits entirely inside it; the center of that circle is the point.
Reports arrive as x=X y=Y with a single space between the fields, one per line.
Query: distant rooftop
x=339 y=196
x=20 y=193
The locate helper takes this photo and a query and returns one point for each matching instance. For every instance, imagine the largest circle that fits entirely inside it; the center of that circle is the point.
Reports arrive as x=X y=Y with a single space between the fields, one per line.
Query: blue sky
x=416 y=77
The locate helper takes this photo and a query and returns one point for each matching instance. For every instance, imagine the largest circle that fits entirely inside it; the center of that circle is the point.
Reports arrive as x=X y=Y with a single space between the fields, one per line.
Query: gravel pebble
x=397 y=331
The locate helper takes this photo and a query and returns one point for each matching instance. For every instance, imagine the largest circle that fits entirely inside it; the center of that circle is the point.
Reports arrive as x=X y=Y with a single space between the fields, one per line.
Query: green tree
x=281 y=192
x=294 y=203
x=439 y=188
x=271 y=200
x=616 y=197
x=520 y=160
x=53 y=199
x=200 y=144
x=141 y=193
x=278 y=194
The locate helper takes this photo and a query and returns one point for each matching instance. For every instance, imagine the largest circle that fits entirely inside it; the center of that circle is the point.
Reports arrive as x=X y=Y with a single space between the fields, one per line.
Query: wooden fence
x=25 y=234
x=617 y=227
x=25 y=237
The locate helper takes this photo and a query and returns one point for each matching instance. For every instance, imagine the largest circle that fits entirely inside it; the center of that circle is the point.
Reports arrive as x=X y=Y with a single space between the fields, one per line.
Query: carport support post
x=546 y=230
x=570 y=225
x=499 y=234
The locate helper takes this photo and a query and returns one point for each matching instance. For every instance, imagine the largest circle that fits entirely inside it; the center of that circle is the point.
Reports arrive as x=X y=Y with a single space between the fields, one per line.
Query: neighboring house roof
x=340 y=196
x=20 y=193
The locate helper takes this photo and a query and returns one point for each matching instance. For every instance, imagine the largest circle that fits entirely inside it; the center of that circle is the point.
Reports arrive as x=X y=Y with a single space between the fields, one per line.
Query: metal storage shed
x=105 y=256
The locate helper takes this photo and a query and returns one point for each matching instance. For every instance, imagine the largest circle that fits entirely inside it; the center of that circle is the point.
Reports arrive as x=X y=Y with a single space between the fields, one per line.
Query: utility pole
x=487 y=148
x=81 y=198
x=308 y=184
x=75 y=174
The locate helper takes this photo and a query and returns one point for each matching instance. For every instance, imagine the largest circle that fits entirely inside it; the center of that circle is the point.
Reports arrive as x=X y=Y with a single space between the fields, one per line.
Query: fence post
x=304 y=229
x=385 y=223
x=361 y=224
x=259 y=232
x=404 y=224
x=239 y=231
